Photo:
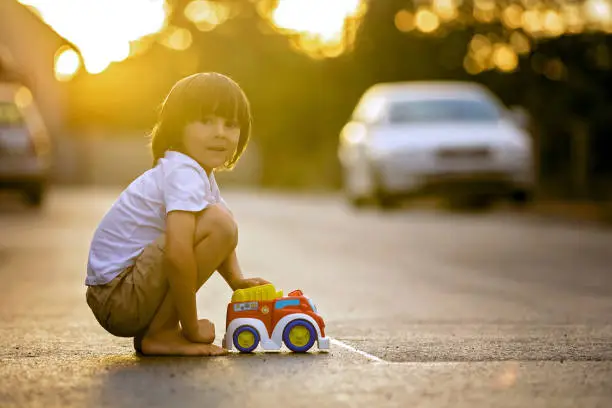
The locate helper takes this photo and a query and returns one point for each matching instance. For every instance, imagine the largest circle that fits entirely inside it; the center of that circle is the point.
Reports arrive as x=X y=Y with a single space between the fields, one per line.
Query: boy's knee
x=217 y=220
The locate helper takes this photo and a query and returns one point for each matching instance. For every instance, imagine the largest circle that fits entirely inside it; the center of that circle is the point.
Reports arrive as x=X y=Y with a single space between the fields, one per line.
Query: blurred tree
x=529 y=53
x=539 y=55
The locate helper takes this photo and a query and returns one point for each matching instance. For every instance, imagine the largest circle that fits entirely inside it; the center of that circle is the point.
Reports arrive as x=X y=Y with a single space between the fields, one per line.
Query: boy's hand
x=248 y=283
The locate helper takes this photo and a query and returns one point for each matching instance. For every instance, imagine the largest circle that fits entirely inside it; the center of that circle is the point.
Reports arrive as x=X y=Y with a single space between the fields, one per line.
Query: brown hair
x=191 y=99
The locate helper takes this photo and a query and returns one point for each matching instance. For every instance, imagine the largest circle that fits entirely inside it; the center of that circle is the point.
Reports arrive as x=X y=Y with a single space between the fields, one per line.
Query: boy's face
x=212 y=141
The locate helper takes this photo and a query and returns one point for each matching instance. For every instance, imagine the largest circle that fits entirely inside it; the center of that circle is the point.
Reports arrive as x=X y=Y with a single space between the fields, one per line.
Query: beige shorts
x=126 y=305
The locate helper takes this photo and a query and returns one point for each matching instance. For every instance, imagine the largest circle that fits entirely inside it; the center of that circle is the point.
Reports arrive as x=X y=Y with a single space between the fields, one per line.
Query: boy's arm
x=231 y=272
x=181 y=270
x=230 y=268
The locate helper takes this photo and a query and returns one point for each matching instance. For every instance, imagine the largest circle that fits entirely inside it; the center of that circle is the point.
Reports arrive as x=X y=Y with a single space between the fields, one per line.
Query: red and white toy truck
x=261 y=315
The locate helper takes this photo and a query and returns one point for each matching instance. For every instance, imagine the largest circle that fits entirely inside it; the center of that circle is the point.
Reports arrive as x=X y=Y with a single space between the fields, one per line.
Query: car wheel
x=34 y=194
x=351 y=189
x=299 y=336
x=357 y=202
x=521 y=198
x=382 y=198
x=387 y=201
x=482 y=203
x=470 y=203
x=246 y=339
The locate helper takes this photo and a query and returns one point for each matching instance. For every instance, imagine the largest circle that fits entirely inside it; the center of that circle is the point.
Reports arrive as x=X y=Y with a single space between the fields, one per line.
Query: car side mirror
x=519 y=115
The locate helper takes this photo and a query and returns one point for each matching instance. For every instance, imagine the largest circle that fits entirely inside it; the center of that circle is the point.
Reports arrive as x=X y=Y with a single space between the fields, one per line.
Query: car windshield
x=443 y=110
x=10 y=115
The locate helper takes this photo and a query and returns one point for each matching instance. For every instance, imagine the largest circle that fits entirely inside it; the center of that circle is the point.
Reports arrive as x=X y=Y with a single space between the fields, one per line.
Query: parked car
x=24 y=144
x=454 y=139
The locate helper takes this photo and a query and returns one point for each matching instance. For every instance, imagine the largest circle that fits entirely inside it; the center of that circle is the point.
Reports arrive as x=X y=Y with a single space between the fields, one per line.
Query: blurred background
x=98 y=71
x=359 y=106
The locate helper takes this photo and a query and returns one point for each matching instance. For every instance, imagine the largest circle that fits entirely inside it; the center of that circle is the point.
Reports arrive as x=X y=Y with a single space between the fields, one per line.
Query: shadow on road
x=126 y=380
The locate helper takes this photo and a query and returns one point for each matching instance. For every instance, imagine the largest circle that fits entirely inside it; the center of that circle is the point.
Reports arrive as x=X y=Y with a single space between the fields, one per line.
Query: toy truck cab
x=261 y=315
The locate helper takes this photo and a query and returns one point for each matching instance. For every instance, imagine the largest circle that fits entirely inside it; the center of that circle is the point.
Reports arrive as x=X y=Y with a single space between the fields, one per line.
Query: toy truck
x=261 y=315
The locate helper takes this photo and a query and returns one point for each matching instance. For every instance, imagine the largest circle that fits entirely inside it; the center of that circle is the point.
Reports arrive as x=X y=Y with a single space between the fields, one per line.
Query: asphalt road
x=428 y=308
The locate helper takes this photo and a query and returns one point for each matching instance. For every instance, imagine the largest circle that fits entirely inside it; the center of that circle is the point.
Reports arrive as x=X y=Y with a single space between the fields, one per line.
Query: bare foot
x=172 y=343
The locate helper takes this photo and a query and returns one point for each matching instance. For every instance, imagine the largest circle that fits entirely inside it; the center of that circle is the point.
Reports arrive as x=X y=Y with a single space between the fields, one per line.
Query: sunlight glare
x=67 y=63
x=599 y=11
x=207 y=13
x=512 y=16
x=553 y=23
x=102 y=31
x=520 y=43
x=178 y=38
x=320 y=17
x=404 y=21
x=427 y=21
x=505 y=58
x=446 y=9
x=23 y=97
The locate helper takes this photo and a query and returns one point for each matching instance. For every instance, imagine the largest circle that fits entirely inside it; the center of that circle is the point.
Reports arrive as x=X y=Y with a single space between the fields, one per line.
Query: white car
x=447 y=138
x=25 y=145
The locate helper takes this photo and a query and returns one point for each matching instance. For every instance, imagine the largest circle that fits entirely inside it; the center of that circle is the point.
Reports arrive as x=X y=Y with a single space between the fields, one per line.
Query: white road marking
x=354 y=350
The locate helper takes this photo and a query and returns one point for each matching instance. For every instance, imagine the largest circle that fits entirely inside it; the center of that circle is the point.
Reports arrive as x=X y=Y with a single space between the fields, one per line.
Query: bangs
x=220 y=96
x=194 y=98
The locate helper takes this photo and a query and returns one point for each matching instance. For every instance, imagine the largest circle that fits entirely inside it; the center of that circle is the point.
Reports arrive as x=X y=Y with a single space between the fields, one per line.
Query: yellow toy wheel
x=246 y=339
x=299 y=335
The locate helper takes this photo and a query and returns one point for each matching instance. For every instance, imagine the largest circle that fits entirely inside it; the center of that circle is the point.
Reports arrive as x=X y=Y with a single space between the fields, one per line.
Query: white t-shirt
x=138 y=216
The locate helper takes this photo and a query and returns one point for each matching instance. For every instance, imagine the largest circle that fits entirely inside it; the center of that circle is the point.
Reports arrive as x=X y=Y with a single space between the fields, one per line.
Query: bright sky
x=321 y=17
x=103 y=29
x=106 y=30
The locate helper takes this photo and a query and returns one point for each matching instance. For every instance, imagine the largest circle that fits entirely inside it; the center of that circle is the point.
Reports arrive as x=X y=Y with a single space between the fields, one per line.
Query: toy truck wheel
x=299 y=336
x=246 y=339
